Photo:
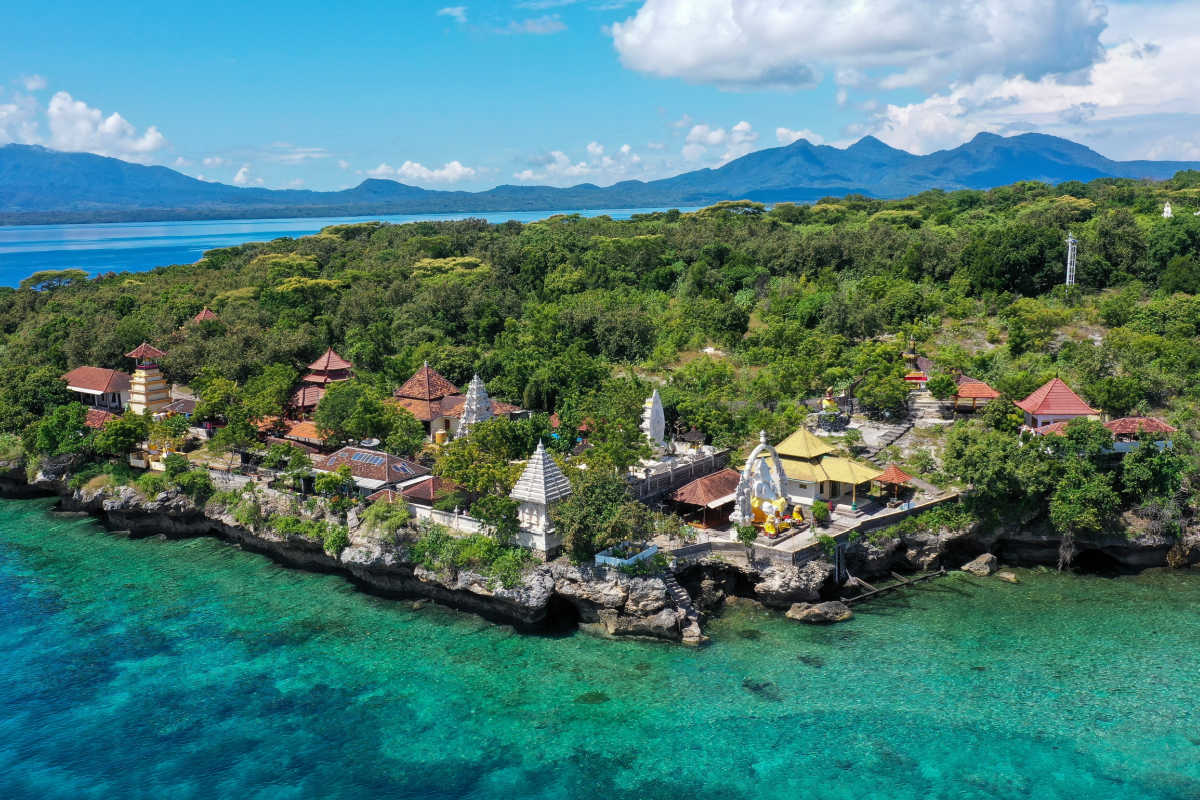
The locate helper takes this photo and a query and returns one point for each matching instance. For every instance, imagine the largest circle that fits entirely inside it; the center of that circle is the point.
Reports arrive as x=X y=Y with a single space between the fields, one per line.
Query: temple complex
x=329 y=368
x=541 y=485
x=148 y=390
x=99 y=388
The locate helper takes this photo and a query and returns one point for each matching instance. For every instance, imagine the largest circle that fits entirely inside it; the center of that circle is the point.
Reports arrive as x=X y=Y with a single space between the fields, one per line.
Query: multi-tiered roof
x=542 y=482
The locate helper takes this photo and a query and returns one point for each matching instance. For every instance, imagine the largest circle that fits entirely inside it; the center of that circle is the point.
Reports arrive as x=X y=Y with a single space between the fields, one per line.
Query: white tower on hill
x=1167 y=212
x=1071 y=243
x=477 y=407
x=654 y=421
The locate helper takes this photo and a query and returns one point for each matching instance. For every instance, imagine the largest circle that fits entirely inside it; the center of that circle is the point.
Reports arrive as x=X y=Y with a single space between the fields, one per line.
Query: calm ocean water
x=138 y=246
x=191 y=669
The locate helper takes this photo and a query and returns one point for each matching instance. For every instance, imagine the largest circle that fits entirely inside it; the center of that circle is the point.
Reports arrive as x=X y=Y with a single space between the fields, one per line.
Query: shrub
x=386 y=518
x=195 y=484
x=175 y=464
x=152 y=483
x=820 y=512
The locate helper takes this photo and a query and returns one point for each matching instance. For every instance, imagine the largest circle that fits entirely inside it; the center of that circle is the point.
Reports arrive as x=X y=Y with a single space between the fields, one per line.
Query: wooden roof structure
x=710 y=491
x=330 y=361
x=972 y=389
x=426 y=384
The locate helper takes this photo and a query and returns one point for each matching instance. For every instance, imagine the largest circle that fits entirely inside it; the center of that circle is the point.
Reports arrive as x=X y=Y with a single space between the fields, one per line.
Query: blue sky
x=470 y=95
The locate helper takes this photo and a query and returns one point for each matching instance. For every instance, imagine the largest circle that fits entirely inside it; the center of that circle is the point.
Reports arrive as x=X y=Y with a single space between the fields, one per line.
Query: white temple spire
x=477 y=407
x=654 y=421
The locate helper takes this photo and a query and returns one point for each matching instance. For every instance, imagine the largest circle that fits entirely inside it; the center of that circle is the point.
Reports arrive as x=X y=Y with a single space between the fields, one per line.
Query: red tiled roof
x=1055 y=397
x=893 y=474
x=204 y=316
x=373 y=465
x=708 y=489
x=430 y=489
x=97 y=379
x=307 y=396
x=975 y=389
x=426 y=384
x=1128 y=426
x=96 y=418
x=314 y=377
x=145 y=352
x=1054 y=428
x=389 y=495
x=330 y=361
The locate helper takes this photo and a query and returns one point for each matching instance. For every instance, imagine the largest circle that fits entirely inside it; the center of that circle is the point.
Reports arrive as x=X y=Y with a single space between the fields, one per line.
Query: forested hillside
x=573 y=315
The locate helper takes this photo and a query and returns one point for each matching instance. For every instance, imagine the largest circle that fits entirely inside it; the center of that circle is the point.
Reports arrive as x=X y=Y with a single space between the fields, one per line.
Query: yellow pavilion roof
x=802 y=444
x=844 y=470
x=829 y=468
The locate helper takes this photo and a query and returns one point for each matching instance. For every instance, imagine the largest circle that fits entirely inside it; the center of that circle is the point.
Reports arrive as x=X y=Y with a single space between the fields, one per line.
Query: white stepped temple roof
x=542 y=482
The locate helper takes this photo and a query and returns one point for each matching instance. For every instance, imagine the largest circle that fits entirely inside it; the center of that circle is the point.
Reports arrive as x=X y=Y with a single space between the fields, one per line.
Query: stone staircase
x=683 y=601
x=872 y=454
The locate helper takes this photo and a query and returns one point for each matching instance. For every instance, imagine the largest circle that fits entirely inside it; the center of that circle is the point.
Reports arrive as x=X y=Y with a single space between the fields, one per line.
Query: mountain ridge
x=39 y=185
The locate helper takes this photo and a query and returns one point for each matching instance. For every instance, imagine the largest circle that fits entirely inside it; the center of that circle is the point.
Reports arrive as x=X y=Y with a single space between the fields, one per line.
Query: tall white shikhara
x=654 y=421
x=477 y=406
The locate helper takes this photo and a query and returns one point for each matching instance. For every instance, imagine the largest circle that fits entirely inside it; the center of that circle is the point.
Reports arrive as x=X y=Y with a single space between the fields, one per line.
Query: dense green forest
x=574 y=314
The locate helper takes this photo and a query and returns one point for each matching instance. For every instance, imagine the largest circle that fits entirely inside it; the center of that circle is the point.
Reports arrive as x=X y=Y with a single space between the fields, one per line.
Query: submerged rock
x=820 y=613
x=982 y=566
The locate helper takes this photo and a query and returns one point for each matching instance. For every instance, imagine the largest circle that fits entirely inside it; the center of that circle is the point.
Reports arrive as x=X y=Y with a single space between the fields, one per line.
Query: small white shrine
x=1167 y=213
x=654 y=421
x=540 y=486
x=477 y=407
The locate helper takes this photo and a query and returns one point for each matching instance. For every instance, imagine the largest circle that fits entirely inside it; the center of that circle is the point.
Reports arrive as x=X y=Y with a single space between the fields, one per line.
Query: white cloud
x=451 y=172
x=180 y=161
x=33 y=83
x=787 y=136
x=76 y=126
x=286 y=153
x=657 y=146
x=790 y=43
x=557 y=168
x=343 y=164
x=1137 y=102
x=458 y=13
x=19 y=121
x=537 y=26
x=243 y=177
x=703 y=139
x=214 y=161
x=538 y=5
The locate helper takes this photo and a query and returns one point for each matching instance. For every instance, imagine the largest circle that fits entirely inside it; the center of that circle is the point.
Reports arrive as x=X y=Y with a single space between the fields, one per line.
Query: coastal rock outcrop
x=781 y=585
x=982 y=566
x=622 y=604
x=820 y=613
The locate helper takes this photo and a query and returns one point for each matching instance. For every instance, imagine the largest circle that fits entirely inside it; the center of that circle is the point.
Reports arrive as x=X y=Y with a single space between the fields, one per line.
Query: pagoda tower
x=148 y=391
x=477 y=407
x=654 y=421
x=541 y=485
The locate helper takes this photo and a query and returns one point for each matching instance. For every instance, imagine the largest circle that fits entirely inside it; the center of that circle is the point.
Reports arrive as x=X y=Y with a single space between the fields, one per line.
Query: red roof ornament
x=1055 y=398
x=145 y=352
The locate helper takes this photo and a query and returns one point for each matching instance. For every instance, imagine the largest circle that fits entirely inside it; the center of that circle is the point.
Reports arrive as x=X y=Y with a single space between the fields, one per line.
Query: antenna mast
x=1071 y=242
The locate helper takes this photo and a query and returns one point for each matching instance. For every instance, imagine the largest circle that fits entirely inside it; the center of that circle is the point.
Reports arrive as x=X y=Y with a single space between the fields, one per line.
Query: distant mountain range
x=38 y=185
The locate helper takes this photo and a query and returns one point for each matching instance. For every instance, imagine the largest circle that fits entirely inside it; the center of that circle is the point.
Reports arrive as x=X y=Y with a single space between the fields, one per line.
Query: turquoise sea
x=190 y=669
x=138 y=246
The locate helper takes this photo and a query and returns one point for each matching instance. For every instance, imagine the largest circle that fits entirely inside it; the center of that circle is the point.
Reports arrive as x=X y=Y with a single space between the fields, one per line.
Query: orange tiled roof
x=426 y=384
x=1055 y=397
x=893 y=474
x=97 y=379
x=973 y=389
x=1054 y=428
x=205 y=315
x=303 y=430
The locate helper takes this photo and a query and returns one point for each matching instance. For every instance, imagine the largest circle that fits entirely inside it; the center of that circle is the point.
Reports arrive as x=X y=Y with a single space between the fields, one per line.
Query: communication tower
x=1071 y=242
